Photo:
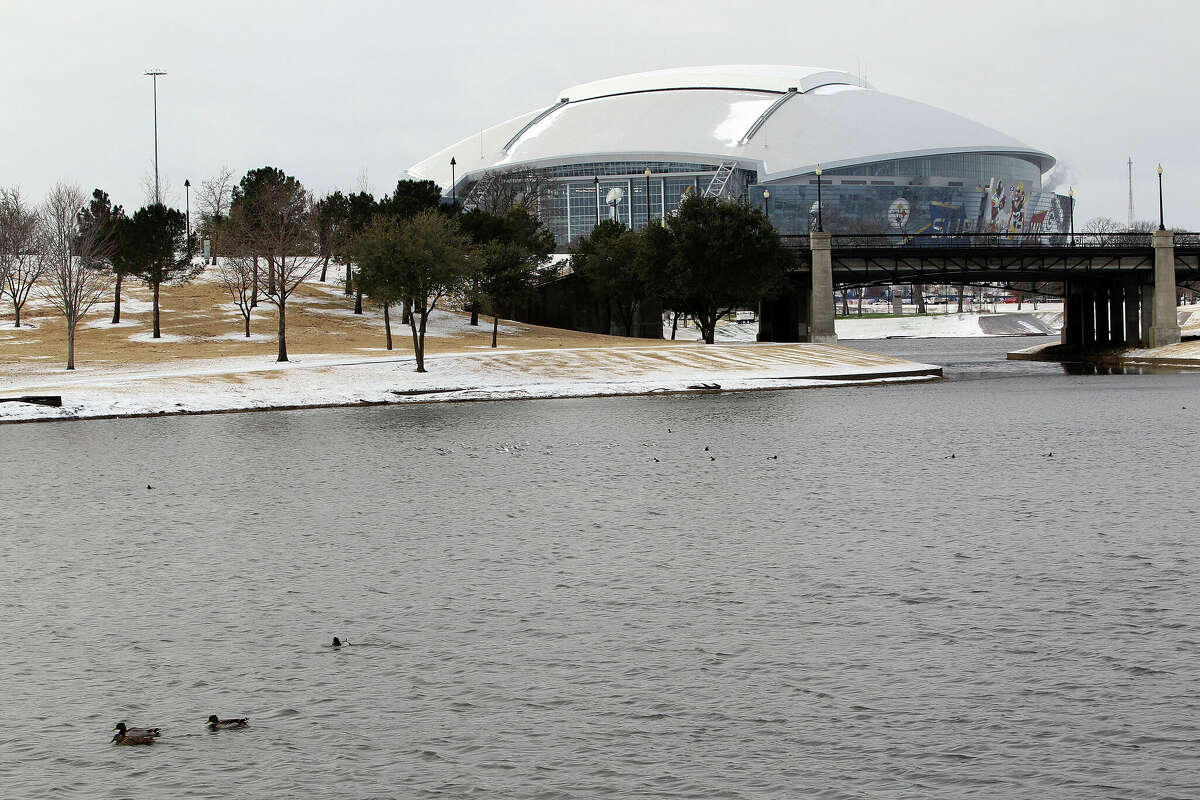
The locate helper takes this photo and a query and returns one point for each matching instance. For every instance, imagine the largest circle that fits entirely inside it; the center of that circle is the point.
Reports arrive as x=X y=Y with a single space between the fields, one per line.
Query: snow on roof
x=710 y=115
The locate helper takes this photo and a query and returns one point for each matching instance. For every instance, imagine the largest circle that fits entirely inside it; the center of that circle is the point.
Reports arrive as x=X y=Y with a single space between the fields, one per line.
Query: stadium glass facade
x=941 y=194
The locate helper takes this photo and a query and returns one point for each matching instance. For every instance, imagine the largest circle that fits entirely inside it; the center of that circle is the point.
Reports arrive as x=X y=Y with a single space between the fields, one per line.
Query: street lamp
x=1161 y=226
x=1071 y=193
x=647 y=174
x=453 y=198
x=187 y=194
x=767 y=202
x=154 y=73
x=596 y=182
x=820 y=205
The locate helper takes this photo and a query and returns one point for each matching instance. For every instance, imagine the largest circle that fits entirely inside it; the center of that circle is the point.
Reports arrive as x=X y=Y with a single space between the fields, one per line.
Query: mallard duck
x=215 y=723
x=125 y=735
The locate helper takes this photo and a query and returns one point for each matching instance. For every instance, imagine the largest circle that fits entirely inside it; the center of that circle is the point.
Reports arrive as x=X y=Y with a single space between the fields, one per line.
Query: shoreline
x=215 y=387
x=806 y=383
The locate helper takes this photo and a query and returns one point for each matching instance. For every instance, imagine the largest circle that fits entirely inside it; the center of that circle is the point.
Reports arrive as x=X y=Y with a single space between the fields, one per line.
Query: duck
x=215 y=723
x=126 y=735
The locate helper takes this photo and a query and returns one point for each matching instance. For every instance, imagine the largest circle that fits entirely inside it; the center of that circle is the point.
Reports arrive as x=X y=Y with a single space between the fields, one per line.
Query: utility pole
x=154 y=73
x=1129 y=226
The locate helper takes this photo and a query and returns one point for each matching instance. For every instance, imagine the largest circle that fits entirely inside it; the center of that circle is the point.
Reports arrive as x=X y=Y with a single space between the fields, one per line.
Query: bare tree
x=281 y=230
x=167 y=194
x=20 y=264
x=213 y=201
x=75 y=260
x=501 y=190
x=237 y=277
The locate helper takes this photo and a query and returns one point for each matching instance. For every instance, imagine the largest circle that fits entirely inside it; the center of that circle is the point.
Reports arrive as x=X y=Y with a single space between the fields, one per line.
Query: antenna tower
x=1130 y=225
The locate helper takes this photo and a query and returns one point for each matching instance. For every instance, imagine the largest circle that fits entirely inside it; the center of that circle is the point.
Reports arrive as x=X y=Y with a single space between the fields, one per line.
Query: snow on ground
x=252 y=382
x=106 y=322
x=1008 y=323
x=148 y=336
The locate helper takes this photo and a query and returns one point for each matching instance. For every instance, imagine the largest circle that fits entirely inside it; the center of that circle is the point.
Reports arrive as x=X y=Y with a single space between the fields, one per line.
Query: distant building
x=890 y=165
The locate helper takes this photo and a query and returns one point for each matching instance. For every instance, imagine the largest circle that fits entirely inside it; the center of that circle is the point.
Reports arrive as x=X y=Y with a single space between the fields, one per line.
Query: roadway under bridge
x=1119 y=289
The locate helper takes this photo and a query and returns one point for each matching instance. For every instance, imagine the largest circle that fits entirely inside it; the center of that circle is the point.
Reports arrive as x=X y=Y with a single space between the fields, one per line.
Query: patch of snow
x=107 y=323
x=148 y=336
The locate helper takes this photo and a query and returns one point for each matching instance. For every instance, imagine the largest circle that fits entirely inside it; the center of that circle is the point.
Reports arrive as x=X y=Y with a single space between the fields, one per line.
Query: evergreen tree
x=112 y=226
x=724 y=254
x=158 y=251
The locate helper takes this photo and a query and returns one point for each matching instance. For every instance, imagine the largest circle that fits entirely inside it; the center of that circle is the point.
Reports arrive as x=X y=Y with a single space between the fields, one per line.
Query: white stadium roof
x=778 y=120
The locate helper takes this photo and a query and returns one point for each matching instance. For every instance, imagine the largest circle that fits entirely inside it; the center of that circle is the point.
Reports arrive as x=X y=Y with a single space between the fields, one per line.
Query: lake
x=981 y=587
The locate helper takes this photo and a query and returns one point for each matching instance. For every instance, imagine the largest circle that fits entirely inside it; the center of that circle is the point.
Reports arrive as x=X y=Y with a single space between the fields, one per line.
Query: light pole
x=1161 y=226
x=596 y=182
x=453 y=197
x=820 y=205
x=647 y=174
x=154 y=73
x=1071 y=194
x=767 y=203
x=187 y=195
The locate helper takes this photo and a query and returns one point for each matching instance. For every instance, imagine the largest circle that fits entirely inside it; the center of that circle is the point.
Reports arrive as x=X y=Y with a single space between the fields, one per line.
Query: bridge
x=1119 y=289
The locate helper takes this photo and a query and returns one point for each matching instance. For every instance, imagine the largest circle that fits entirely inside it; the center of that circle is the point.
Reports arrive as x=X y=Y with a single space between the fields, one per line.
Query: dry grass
x=199 y=321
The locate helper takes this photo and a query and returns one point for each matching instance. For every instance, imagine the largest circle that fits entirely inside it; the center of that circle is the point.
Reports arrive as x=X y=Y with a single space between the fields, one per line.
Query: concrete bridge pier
x=1164 y=318
x=820 y=316
x=1116 y=314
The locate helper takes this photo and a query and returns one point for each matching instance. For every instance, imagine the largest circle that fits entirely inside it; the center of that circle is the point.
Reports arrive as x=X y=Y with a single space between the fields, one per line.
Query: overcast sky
x=329 y=91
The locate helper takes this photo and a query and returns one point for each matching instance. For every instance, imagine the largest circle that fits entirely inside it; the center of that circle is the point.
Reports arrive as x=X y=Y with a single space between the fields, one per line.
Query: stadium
x=631 y=147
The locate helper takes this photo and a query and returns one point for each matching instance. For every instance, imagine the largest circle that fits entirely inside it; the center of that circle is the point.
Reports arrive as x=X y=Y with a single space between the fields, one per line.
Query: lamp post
x=767 y=202
x=1161 y=226
x=187 y=194
x=1071 y=194
x=596 y=182
x=647 y=174
x=453 y=197
x=154 y=73
x=820 y=205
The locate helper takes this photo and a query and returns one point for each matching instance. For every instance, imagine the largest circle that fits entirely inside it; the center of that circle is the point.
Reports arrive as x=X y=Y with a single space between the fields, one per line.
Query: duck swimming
x=215 y=723
x=126 y=735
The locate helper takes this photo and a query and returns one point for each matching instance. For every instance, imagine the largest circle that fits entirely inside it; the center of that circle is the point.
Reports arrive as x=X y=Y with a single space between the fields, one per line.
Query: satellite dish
x=614 y=196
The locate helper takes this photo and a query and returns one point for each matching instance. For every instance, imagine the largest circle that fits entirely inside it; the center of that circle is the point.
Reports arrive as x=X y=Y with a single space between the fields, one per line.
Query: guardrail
x=993 y=240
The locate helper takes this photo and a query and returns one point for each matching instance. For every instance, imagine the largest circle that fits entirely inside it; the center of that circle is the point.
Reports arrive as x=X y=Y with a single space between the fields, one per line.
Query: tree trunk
x=246 y=317
x=674 y=324
x=418 y=340
x=960 y=298
x=919 y=294
x=387 y=324
x=157 y=332
x=845 y=303
x=281 y=330
x=17 y=315
x=349 y=277
x=495 y=328
x=70 y=345
x=254 y=285
x=474 y=313
x=406 y=318
x=861 y=292
x=117 y=301
x=358 y=301
x=270 y=275
x=324 y=267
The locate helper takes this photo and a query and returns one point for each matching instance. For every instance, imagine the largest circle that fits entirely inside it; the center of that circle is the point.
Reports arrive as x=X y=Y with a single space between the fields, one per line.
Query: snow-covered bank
x=246 y=383
x=1041 y=323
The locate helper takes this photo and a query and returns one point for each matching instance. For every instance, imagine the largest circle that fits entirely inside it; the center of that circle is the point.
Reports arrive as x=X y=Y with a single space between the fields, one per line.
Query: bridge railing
x=991 y=240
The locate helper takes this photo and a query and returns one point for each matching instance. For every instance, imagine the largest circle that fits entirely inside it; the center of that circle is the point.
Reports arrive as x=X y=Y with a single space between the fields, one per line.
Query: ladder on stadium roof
x=720 y=179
